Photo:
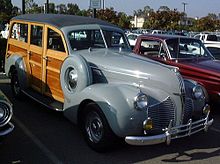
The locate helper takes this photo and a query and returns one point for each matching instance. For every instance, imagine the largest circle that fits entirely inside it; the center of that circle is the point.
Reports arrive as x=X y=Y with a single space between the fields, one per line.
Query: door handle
x=29 y=52
x=46 y=58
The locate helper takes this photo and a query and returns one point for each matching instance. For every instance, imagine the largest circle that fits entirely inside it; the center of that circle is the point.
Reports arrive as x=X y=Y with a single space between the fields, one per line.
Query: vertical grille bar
x=162 y=113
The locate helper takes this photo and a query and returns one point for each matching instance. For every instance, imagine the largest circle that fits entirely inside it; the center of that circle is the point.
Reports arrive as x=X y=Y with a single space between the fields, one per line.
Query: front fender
x=116 y=102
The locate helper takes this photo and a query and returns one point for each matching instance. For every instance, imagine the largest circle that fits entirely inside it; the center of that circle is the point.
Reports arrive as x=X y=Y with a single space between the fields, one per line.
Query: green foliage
x=73 y=9
x=120 y=19
x=5 y=11
x=163 y=19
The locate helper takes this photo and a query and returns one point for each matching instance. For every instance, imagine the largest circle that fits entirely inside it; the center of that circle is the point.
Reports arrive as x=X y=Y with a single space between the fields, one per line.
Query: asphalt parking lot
x=44 y=136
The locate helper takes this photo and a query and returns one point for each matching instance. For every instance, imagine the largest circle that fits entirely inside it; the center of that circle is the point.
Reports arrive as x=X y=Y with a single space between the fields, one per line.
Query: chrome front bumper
x=172 y=133
x=7 y=130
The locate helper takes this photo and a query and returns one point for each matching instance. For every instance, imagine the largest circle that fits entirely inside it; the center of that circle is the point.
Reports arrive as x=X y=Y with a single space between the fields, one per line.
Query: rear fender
x=17 y=62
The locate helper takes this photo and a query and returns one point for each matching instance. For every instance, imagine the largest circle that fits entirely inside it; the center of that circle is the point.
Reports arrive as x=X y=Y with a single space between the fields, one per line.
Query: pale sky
x=194 y=8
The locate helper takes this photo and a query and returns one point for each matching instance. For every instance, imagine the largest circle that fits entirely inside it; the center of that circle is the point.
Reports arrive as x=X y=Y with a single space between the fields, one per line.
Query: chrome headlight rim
x=6 y=112
x=198 y=92
x=141 y=101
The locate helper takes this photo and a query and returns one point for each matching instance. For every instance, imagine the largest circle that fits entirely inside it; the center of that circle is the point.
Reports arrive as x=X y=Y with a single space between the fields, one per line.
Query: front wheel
x=96 y=129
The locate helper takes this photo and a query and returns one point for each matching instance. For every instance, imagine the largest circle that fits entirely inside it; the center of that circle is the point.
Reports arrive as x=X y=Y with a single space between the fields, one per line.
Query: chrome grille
x=181 y=85
x=188 y=108
x=162 y=113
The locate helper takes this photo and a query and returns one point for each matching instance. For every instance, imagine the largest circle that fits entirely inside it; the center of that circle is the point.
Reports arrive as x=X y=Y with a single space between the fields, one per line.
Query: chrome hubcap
x=94 y=127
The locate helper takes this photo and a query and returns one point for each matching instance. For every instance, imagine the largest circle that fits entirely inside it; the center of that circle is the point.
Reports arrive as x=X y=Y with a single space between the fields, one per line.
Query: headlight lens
x=198 y=92
x=141 y=101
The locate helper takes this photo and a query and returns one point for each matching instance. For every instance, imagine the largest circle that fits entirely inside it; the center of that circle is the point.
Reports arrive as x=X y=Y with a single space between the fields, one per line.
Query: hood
x=204 y=65
x=130 y=68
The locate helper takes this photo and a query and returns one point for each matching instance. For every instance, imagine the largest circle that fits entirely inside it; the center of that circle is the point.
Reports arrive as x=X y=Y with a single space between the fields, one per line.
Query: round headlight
x=198 y=92
x=141 y=101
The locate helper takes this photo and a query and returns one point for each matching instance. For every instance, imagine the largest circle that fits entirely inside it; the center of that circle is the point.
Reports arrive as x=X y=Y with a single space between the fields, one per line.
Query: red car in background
x=188 y=54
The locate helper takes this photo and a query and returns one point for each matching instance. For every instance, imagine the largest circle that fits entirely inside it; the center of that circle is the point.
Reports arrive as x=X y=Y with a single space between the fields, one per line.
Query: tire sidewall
x=14 y=80
x=83 y=71
x=108 y=137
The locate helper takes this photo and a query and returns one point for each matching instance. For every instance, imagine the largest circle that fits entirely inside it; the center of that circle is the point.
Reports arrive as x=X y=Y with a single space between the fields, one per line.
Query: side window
x=55 y=41
x=84 y=39
x=19 y=31
x=36 y=35
x=197 y=36
x=150 y=47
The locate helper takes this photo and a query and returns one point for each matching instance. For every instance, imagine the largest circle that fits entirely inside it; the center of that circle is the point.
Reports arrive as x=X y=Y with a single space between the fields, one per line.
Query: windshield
x=84 y=39
x=187 y=48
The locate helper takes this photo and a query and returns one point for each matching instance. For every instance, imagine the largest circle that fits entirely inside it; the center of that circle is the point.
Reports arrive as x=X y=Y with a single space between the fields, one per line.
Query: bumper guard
x=172 y=132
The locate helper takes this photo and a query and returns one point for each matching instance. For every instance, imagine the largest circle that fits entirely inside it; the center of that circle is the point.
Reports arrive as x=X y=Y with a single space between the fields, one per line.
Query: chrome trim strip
x=135 y=74
x=7 y=131
x=151 y=106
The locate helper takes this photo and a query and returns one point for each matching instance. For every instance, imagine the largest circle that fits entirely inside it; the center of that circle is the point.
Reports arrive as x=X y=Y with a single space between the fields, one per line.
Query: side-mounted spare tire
x=75 y=75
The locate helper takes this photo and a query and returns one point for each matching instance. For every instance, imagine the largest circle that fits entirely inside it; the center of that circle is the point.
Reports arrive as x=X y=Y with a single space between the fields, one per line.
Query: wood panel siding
x=53 y=86
x=35 y=76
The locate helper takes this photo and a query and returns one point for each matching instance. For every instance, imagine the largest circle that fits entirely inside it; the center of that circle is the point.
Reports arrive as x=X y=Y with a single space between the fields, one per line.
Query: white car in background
x=158 y=32
x=211 y=42
x=208 y=38
x=5 y=32
x=132 y=38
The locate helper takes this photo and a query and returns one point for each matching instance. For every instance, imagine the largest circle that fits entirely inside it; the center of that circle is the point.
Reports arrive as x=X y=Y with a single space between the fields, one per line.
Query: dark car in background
x=214 y=49
x=188 y=54
x=3 y=44
x=6 y=126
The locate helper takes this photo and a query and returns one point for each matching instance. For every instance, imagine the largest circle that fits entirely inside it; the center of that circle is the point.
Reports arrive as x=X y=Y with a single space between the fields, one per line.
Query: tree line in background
x=162 y=19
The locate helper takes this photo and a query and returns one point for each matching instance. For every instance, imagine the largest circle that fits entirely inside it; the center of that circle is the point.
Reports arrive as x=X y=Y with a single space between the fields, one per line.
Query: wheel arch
x=81 y=110
x=16 y=62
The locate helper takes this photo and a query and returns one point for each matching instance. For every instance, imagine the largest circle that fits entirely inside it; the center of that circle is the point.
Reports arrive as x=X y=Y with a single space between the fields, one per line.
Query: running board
x=44 y=100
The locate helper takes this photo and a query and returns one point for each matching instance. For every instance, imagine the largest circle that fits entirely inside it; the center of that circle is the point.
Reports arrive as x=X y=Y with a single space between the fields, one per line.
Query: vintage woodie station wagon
x=85 y=68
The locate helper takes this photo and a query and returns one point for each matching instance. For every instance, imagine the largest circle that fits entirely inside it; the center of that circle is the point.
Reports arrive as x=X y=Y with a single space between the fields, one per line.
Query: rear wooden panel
x=53 y=78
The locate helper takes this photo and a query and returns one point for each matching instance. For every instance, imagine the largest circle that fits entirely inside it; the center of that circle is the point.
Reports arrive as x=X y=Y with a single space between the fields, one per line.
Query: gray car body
x=125 y=75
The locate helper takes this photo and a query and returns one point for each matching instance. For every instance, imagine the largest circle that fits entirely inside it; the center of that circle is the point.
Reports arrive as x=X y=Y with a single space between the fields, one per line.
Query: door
x=54 y=55
x=35 y=54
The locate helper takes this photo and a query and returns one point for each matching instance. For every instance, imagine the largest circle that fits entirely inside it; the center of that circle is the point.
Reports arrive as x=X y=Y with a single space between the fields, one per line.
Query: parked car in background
x=98 y=82
x=4 y=32
x=132 y=38
x=207 y=38
x=211 y=42
x=3 y=44
x=214 y=49
x=188 y=54
x=6 y=126
x=158 y=32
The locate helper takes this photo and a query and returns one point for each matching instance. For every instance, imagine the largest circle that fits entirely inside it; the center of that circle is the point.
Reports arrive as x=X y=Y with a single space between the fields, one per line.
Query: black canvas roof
x=60 y=20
